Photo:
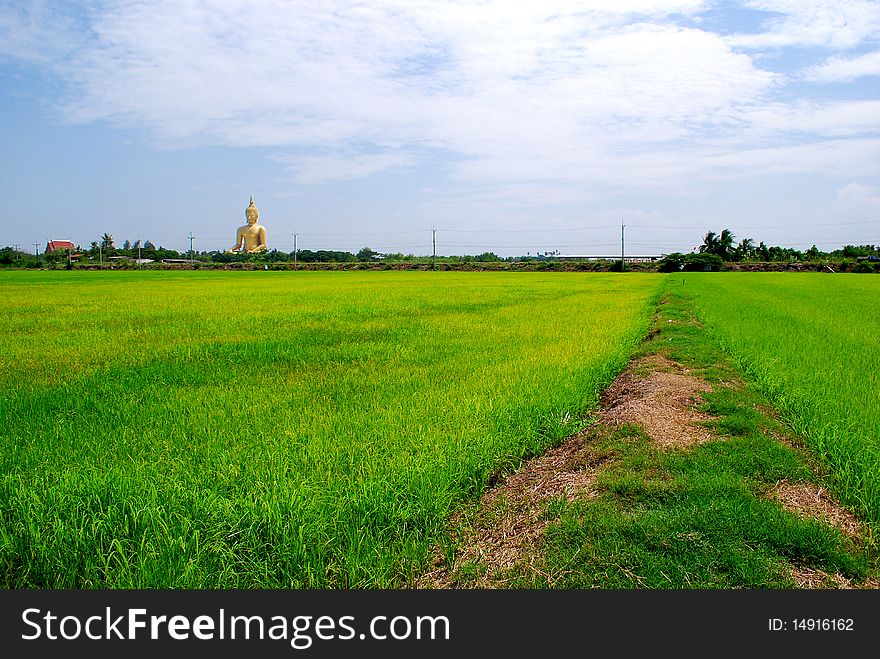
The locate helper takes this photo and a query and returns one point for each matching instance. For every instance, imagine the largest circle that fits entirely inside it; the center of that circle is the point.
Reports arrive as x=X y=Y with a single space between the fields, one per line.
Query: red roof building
x=60 y=246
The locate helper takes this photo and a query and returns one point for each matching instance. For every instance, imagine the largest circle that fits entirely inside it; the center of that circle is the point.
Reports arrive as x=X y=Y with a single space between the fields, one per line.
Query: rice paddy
x=318 y=430
x=811 y=343
x=277 y=429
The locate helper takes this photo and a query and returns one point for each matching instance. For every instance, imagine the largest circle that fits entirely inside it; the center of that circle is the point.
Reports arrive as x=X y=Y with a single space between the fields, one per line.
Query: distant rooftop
x=60 y=245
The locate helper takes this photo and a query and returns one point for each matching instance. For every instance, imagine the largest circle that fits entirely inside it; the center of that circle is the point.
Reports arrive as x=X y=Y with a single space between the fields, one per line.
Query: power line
x=450 y=230
x=528 y=246
x=810 y=226
x=695 y=227
x=609 y=226
x=366 y=233
x=535 y=239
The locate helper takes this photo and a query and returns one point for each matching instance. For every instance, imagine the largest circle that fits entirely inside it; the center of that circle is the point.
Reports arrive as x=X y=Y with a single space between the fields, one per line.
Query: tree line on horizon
x=719 y=248
x=716 y=248
x=724 y=245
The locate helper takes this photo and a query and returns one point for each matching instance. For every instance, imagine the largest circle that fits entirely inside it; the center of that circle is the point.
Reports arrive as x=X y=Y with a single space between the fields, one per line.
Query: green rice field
x=280 y=429
x=811 y=343
x=263 y=429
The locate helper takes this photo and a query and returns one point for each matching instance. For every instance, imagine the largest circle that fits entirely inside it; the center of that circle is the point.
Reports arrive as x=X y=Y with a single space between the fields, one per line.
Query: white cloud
x=580 y=93
x=836 y=24
x=845 y=157
x=558 y=85
x=830 y=118
x=335 y=167
x=38 y=31
x=841 y=69
x=864 y=195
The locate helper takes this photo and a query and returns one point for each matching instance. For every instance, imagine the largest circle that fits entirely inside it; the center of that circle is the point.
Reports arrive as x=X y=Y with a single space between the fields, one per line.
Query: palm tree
x=725 y=244
x=107 y=241
x=710 y=243
x=745 y=249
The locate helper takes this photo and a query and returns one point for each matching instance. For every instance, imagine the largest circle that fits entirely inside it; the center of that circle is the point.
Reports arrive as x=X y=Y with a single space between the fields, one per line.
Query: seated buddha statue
x=250 y=238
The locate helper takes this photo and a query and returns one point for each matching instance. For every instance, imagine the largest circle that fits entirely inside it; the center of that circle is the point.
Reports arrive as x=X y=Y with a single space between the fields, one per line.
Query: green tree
x=7 y=255
x=725 y=245
x=745 y=250
x=719 y=245
x=367 y=254
x=710 y=243
x=107 y=241
x=692 y=262
x=854 y=251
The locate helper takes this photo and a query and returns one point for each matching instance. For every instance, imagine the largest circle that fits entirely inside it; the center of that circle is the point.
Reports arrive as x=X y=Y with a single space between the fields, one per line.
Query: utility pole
x=191 y=238
x=100 y=256
x=434 y=255
x=622 y=227
x=139 y=252
x=36 y=247
x=294 y=251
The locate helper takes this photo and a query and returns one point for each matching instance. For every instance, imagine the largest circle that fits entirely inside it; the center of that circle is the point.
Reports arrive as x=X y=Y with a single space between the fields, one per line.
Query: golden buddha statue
x=251 y=238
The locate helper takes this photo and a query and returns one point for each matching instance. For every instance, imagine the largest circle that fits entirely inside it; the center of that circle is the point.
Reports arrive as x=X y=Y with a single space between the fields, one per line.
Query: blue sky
x=508 y=126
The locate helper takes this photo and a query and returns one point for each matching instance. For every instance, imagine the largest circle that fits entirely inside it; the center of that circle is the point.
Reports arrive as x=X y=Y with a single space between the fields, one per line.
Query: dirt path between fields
x=660 y=396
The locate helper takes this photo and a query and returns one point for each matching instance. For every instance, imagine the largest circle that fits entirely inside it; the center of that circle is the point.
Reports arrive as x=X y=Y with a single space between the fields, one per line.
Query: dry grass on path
x=502 y=536
x=657 y=394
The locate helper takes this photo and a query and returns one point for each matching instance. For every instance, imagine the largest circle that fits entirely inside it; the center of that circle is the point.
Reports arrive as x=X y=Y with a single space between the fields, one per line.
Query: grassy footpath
x=280 y=429
x=701 y=516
